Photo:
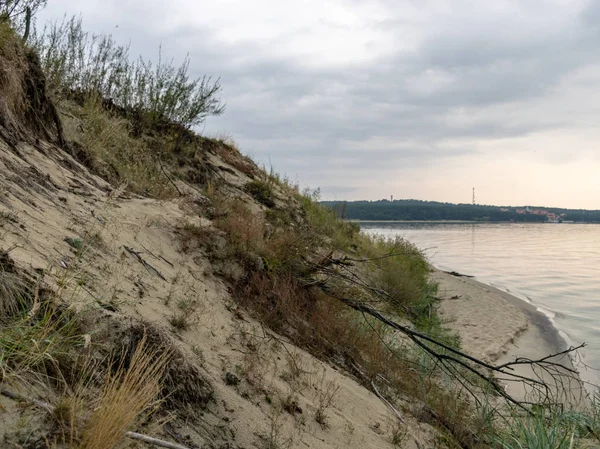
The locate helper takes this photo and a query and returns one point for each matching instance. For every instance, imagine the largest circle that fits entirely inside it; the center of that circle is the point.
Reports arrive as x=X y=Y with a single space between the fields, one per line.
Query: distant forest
x=432 y=210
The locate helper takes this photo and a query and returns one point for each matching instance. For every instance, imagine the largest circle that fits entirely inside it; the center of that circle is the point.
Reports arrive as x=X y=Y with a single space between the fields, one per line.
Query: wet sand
x=498 y=327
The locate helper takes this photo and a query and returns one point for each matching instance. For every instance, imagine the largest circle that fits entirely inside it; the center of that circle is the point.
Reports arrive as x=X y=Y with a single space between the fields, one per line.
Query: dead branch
x=167 y=176
x=458 y=275
x=159 y=257
x=146 y=265
x=379 y=395
x=449 y=356
x=154 y=441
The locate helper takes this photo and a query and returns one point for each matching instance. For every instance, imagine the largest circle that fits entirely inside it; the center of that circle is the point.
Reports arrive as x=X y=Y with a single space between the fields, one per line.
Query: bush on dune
x=76 y=61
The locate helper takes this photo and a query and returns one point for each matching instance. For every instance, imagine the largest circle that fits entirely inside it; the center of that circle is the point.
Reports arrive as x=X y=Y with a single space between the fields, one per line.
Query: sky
x=366 y=99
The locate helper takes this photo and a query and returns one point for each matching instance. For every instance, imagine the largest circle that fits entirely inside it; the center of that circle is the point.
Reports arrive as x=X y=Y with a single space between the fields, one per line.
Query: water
x=555 y=267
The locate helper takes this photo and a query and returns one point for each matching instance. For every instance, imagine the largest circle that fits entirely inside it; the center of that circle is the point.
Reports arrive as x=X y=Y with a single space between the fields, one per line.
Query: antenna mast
x=473 y=196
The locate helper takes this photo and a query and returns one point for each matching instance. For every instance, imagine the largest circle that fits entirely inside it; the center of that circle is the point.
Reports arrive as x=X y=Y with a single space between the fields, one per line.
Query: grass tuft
x=540 y=431
x=104 y=138
x=126 y=394
x=262 y=192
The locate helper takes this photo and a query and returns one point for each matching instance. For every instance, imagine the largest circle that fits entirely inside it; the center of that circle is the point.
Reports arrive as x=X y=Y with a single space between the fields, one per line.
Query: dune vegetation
x=200 y=280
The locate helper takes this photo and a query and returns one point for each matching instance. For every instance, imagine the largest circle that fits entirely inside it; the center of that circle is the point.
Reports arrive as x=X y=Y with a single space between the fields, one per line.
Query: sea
x=553 y=266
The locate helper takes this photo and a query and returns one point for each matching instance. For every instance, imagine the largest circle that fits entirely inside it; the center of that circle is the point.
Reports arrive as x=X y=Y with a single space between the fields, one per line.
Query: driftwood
x=458 y=275
x=50 y=408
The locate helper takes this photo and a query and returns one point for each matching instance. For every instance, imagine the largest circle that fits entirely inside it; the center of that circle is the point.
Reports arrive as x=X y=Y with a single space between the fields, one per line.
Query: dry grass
x=278 y=295
x=39 y=349
x=325 y=397
x=228 y=151
x=244 y=229
x=121 y=158
x=12 y=292
x=12 y=69
x=126 y=394
x=109 y=149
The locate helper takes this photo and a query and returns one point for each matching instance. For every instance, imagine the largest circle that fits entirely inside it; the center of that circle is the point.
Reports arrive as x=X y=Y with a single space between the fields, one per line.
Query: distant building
x=503 y=209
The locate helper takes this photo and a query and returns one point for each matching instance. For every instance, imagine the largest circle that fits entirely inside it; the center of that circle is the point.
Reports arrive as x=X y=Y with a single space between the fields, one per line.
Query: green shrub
x=262 y=191
x=325 y=222
x=74 y=60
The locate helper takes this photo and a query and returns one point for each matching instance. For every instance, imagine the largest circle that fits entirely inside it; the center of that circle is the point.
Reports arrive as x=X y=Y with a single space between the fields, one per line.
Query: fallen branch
x=379 y=395
x=386 y=402
x=146 y=265
x=50 y=408
x=18 y=397
x=168 y=177
x=159 y=257
x=457 y=358
x=154 y=441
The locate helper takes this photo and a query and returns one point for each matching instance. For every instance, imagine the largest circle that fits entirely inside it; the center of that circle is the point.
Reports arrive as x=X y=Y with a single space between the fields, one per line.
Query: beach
x=498 y=327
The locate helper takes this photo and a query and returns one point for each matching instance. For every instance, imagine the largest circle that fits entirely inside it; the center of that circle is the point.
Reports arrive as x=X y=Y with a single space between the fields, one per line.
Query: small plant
x=262 y=191
x=290 y=404
x=13 y=288
x=295 y=367
x=326 y=391
x=276 y=439
x=398 y=434
x=180 y=321
x=192 y=236
x=65 y=416
x=7 y=217
x=199 y=353
x=187 y=305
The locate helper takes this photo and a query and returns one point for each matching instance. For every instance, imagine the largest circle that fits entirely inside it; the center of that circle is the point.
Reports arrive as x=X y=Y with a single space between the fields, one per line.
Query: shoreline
x=499 y=327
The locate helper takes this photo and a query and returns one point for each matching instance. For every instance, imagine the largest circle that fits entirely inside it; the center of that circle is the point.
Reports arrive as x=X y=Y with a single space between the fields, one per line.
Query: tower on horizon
x=473 y=196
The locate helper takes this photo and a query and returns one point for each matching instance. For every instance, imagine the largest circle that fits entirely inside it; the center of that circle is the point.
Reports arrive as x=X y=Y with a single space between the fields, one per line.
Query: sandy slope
x=251 y=370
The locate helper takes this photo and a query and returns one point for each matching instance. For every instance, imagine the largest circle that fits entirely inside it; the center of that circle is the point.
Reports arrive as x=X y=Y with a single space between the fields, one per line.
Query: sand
x=498 y=327
x=222 y=340
x=62 y=200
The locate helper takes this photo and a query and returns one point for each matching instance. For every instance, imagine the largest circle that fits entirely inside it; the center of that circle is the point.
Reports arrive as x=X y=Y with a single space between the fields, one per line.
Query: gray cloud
x=448 y=81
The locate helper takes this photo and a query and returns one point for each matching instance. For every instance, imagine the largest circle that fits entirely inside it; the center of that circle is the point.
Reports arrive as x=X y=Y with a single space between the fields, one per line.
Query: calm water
x=556 y=267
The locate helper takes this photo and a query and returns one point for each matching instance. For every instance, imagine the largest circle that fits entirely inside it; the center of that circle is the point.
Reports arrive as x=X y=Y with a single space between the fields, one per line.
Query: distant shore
x=355 y=220
x=421 y=221
x=499 y=327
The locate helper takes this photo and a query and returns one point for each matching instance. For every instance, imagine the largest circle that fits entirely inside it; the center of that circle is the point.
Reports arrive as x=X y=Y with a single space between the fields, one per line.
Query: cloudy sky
x=413 y=98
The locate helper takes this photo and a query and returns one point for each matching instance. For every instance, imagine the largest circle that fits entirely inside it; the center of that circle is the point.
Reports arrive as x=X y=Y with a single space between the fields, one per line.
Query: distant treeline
x=432 y=210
